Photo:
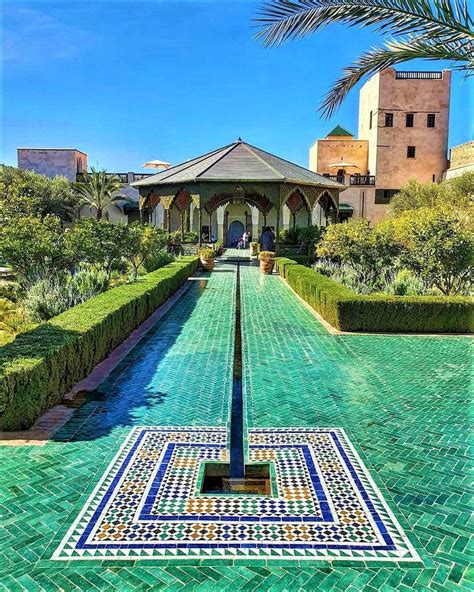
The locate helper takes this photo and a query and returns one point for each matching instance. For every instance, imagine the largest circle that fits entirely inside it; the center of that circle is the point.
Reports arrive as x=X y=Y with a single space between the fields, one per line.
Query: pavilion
x=235 y=188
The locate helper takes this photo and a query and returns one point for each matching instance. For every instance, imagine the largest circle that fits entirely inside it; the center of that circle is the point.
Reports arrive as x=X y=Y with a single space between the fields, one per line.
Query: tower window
x=430 y=120
x=410 y=118
x=388 y=119
x=370 y=120
x=411 y=151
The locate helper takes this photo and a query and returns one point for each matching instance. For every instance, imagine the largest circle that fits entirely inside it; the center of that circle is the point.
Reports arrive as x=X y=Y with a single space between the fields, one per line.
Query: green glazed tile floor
x=403 y=401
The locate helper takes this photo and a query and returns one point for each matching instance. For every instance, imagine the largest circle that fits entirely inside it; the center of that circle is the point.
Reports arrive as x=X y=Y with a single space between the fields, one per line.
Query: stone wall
x=53 y=162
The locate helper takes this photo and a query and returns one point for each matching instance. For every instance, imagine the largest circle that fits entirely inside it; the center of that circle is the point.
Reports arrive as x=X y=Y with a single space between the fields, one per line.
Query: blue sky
x=128 y=82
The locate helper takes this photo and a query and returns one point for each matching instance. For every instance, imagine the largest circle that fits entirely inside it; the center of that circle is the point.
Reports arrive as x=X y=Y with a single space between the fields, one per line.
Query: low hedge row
x=348 y=311
x=41 y=365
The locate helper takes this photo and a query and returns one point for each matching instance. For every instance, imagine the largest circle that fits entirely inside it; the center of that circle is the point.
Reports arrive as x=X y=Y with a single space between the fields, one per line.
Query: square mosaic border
x=167 y=474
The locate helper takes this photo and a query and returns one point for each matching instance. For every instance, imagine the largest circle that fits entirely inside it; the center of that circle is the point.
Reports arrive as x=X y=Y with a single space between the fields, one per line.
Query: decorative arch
x=261 y=202
x=182 y=200
x=296 y=195
x=326 y=200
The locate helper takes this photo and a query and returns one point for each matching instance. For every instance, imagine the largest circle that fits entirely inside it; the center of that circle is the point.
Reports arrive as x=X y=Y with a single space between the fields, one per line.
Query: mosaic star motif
x=324 y=505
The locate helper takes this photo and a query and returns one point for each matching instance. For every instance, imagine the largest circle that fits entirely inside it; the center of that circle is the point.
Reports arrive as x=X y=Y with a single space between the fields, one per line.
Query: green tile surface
x=404 y=401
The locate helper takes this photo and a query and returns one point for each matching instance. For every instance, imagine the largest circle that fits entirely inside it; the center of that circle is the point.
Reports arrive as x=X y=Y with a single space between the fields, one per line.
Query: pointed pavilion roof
x=339 y=131
x=237 y=162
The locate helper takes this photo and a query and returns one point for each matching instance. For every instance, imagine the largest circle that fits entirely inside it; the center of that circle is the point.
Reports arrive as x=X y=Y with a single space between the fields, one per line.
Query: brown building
x=403 y=134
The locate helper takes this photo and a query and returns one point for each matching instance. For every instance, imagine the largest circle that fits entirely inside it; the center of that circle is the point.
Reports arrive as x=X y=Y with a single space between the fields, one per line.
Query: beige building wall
x=385 y=93
x=52 y=162
x=331 y=150
x=381 y=148
x=461 y=160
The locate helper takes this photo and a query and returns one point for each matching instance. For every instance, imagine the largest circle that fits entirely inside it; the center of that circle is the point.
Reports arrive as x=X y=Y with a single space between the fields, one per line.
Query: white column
x=159 y=216
x=255 y=218
x=220 y=222
x=286 y=217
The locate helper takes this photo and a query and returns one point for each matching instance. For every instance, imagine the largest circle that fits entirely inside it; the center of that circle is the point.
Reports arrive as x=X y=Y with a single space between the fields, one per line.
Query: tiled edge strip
x=53 y=419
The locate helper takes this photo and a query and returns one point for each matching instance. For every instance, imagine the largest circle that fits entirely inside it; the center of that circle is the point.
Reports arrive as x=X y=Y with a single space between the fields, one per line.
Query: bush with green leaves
x=157 y=260
x=41 y=365
x=309 y=237
x=437 y=245
x=98 y=242
x=10 y=290
x=34 y=247
x=52 y=295
x=141 y=241
x=25 y=193
x=347 y=311
x=449 y=195
x=191 y=237
x=13 y=320
x=363 y=249
x=406 y=283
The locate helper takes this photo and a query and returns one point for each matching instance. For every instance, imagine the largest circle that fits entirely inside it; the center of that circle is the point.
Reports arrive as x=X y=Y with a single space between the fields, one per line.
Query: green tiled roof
x=345 y=208
x=238 y=162
x=339 y=131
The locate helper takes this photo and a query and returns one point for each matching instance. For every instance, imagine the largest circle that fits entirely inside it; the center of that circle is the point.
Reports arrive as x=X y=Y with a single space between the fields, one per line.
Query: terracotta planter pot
x=266 y=266
x=208 y=264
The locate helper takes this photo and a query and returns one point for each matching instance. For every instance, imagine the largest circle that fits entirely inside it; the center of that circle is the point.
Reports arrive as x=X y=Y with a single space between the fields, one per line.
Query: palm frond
x=281 y=20
x=396 y=52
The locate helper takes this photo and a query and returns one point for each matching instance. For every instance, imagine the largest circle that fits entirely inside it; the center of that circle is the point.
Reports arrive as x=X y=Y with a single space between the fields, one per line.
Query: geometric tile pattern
x=148 y=503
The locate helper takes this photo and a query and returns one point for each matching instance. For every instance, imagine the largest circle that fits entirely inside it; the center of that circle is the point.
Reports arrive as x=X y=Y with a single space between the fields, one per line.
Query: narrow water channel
x=237 y=462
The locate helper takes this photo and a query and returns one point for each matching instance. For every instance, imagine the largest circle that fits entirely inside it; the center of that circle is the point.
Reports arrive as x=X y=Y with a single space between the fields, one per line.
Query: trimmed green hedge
x=348 y=311
x=41 y=365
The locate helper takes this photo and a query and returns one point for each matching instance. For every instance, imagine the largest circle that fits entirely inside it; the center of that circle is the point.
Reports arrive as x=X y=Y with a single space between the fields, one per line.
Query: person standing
x=267 y=240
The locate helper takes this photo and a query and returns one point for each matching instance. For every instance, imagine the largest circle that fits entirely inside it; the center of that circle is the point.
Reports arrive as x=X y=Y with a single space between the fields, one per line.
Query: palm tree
x=428 y=29
x=99 y=189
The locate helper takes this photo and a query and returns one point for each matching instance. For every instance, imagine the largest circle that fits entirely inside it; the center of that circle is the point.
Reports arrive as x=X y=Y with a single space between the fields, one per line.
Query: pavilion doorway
x=235 y=231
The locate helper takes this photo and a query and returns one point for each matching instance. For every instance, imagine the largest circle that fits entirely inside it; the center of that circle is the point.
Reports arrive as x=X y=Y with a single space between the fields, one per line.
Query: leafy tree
x=25 y=193
x=437 y=245
x=34 y=247
x=97 y=242
x=432 y=30
x=141 y=242
x=363 y=249
x=309 y=237
x=99 y=190
x=457 y=193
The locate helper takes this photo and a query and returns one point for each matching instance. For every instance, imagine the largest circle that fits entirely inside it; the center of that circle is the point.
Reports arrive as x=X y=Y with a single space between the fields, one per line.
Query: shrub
x=191 y=237
x=436 y=245
x=13 y=320
x=265 y=255
x=47 y=298
x=348 y=311
x=157 y=260
x=52 y=295
x=26 y=193
x=139 y=242
x=359 y=246
x=43 y=364
x=406 y=283
x=206 y=253
x=451 y=194
x=34 y=247
x=98 y=242
x=10 y=290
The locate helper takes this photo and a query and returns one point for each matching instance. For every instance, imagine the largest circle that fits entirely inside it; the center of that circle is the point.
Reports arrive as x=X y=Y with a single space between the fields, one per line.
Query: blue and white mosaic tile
x=324 y=504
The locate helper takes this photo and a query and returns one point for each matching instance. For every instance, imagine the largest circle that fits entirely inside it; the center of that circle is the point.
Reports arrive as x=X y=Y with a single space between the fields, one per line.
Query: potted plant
x=267 y=261
x=207 y=256
x=253 y=249
x=218 y=248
